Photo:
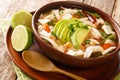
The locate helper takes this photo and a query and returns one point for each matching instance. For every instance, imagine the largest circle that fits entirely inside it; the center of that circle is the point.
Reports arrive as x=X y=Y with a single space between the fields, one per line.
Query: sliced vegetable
x=79 y=36
x=112 y=37
x=46 y=27
x=21 y=38
x=103 y=34
x=106 y=46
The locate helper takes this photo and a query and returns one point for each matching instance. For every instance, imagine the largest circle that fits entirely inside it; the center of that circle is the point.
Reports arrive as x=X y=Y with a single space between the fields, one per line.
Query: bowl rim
x=82 y=6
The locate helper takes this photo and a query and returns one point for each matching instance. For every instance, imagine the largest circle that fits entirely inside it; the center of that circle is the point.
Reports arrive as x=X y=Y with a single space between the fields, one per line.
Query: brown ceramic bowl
x=65 y=59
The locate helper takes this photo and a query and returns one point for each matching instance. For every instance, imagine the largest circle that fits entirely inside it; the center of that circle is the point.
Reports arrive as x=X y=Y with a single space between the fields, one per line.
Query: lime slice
x=21 y=17
x=21 y=38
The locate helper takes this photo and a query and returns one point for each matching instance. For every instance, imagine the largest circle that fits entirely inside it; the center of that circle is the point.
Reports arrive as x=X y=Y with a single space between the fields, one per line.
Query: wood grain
x=105 y=5
x=6 y=69
x=11 y=6
x=116 y=11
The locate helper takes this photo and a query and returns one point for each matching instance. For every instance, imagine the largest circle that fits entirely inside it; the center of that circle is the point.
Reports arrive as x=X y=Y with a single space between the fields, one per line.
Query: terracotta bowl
x=63 y=58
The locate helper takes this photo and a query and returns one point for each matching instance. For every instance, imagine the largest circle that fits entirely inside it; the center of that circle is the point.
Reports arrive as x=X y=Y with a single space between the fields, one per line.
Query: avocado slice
x=73 y=40
x=68 y=36
x=60 y=28
x=57 y=26
x=64 y=30
x=79 y=36
x=82 y=33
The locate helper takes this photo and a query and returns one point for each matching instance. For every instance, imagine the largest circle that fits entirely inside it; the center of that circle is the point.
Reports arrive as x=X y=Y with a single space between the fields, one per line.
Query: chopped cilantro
x=87 y=41
x=94 y=14
x=53 y=33
x=112 y=37
x=50 y=23
x=71 y=27
x=103 y=34
x=79 y=14
x=83 y=25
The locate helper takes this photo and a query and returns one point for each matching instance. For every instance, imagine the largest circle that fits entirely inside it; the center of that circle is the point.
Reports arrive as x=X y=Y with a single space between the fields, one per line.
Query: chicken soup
x=77 y=32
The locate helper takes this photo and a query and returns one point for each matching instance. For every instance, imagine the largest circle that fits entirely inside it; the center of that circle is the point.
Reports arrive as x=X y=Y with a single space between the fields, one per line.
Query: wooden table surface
x=8 y=7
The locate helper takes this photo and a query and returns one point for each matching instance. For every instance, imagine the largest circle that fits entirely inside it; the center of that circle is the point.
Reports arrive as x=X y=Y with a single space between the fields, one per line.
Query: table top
x=8 y=7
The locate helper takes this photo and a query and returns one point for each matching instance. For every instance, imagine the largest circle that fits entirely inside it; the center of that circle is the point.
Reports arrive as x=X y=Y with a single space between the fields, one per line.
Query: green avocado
x=68 y=36
x=79 y=36
x=73 y=40
x=58 y=32
x=57 y=26
x=64 y=30
x=71 y=30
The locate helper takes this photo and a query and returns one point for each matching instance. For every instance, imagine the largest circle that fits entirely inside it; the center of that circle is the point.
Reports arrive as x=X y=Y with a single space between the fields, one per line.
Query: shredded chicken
x=50 y=16
x=110 y=42
x=67 y=16
x=100 y=21
x=107 y=29
x=54 y=44
x=56 y=12
x=43 y=21
x=45 y=33
x=95 y=33
x=92 y=49
x=108 y=50
x=93 y=42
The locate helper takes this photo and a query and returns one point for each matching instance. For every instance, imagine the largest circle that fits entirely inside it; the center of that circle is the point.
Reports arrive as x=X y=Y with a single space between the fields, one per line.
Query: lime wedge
x=21 y=17
x=21 y=38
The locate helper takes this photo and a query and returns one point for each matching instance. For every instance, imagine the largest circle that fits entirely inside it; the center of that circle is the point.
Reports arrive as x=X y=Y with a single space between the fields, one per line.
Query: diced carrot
x=46 y=27
x=106 y=46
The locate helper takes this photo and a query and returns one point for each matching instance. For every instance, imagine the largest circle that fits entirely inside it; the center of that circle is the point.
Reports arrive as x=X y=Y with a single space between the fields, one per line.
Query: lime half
x=21 y=38
x=21 y=17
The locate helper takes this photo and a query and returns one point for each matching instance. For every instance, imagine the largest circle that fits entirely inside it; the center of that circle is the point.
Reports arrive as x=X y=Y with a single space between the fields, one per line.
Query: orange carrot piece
x=106 y=46
x=46 y=27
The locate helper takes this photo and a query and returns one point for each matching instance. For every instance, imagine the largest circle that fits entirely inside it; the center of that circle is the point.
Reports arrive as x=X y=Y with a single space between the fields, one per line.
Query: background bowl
x=60 y=57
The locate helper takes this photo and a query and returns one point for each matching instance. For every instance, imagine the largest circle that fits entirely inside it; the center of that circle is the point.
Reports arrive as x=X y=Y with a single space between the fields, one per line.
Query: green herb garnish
x=87 y=41
x=94 y=14
x=79 y=14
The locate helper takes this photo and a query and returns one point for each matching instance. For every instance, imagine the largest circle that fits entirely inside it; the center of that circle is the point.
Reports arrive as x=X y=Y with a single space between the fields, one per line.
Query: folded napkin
x=4 y=25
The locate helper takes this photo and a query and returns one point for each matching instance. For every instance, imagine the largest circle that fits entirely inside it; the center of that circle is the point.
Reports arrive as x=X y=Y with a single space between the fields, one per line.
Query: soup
x=77 y=32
